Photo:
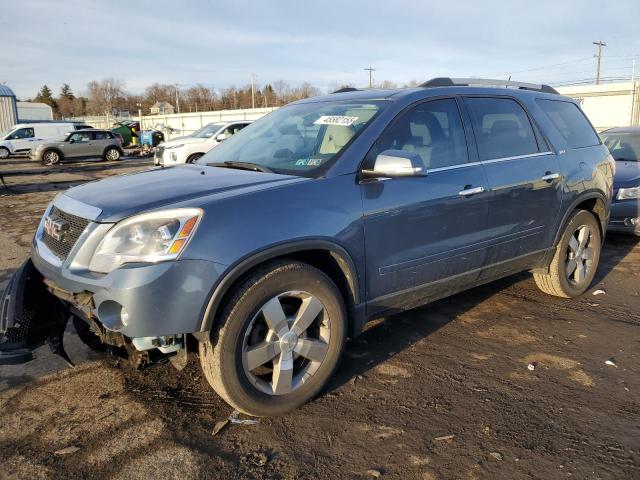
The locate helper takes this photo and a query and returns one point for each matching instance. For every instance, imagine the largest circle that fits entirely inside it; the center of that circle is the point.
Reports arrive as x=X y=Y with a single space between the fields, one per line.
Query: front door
x=524 y=178
x=80 y=144
x=425 y=235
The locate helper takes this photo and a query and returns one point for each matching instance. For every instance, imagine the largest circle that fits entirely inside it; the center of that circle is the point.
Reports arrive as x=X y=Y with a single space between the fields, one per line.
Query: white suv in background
x=188 y=149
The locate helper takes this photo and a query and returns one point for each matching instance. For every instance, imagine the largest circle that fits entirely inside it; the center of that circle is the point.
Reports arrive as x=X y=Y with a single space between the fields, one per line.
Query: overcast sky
x=220 y=44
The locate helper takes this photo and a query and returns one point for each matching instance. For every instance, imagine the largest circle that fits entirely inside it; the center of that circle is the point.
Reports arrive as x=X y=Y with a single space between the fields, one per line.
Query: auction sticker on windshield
x=335 y=120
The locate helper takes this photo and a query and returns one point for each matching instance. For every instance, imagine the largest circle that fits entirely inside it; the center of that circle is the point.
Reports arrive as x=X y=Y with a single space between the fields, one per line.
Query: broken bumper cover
x=141 y=302
x=29 y=317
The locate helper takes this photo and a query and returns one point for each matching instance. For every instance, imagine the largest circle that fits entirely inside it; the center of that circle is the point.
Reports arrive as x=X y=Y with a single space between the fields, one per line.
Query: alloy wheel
x=51 y=158
x=580 y=255
x=286 y=342
x=113 y=154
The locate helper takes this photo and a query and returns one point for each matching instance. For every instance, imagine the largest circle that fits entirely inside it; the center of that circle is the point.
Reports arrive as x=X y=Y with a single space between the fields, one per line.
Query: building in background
x=162 y=108
x=608 y=105
x=8 y=108
x=34 y=112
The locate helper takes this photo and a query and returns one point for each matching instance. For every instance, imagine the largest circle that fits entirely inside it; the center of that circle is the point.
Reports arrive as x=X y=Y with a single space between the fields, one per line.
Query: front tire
x=576 y=258
x=279 y=339
x=194 y=157
x=51 y=157
x=4 y=153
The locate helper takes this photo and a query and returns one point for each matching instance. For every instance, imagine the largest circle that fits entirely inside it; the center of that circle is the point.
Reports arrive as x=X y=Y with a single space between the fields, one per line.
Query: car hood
x=183 y=141
x=627 y=174
x=120 y=197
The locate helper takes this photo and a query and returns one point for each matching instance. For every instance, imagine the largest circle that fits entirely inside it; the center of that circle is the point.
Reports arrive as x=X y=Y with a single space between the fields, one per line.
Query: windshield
x=208 y=130
x=623 y=146
x=6 y=133
x=300 y=139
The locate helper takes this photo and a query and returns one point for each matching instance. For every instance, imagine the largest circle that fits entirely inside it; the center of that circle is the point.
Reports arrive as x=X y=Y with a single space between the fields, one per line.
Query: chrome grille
x=68 y=239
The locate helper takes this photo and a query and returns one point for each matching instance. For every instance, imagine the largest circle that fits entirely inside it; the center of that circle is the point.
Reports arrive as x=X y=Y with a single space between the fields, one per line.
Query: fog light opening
x=113 y=315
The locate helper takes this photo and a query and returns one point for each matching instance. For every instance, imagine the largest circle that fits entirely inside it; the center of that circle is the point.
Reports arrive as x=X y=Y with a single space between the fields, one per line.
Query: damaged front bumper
x=140 y=307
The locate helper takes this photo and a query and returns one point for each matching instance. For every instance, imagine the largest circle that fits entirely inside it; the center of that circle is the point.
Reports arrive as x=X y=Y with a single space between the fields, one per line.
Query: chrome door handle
x=550 y=176
x=467 y=192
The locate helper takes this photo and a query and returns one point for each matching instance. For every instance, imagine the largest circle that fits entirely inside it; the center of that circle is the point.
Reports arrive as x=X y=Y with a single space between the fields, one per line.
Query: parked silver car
x=79 y=144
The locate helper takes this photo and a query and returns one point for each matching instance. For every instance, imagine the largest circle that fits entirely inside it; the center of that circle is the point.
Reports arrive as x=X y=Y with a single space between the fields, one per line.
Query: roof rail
x=346 y=89
x=486 y=82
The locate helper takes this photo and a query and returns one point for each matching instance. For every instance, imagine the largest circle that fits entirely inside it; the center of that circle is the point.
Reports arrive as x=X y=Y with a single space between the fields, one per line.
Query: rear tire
x=576 y=258
x=112 y=154
x=4 y=153
x=259 y=358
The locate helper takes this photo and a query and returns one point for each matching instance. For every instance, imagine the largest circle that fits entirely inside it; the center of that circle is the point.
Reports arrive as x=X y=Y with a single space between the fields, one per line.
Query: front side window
x=571 y=122
x=502 y=128
x=300 y=139
x=623 y=146
x=79 y=137
x=22 y=133
x=433 y=130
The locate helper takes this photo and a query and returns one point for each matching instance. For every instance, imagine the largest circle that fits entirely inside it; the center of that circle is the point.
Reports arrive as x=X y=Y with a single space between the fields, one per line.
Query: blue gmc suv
x=273 y=248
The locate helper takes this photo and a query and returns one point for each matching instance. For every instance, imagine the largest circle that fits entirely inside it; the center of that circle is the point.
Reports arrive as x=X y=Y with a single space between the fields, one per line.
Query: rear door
x=101 y=140
x=524 y=179
x=421 y=231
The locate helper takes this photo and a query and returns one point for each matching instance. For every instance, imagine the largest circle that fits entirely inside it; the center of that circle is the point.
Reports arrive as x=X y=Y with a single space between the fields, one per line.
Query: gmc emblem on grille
x=55 y=228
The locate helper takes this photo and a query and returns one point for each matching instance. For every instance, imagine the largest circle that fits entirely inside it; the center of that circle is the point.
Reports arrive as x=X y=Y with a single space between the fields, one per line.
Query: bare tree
x=103 y=96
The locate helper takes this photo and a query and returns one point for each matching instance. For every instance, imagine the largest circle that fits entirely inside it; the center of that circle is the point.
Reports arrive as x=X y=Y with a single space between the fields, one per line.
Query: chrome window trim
x=494 y=160
x=77 y=208
x=517 y=157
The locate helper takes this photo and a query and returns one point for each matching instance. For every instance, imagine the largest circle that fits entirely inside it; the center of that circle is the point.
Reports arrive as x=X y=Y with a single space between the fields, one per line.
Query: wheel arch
x=55 y=149
x=109 y=147
x=191 y=155
x=594 y=202
x=327 y=256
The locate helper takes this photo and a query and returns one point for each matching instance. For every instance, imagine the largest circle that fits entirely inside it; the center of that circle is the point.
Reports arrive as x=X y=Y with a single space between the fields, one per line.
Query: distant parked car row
x=25 y=136
x=190 y=148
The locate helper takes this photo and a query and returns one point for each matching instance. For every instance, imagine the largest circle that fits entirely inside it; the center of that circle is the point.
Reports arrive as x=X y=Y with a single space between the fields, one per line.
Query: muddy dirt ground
x=436 y=393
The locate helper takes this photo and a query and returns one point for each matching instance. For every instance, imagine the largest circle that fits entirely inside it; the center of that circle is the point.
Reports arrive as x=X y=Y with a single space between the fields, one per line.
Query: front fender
x=237 y=270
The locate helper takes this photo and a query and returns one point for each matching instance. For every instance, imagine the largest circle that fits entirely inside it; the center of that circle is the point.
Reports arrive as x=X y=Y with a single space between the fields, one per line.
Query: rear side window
x=571 y=122
x=502 y=128
x=101 y=135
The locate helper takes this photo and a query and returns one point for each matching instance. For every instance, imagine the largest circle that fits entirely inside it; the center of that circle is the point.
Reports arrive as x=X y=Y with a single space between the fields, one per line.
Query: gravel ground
x=440 y=392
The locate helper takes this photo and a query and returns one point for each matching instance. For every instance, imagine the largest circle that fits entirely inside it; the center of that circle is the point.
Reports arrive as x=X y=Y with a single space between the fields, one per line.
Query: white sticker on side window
x=335 y=120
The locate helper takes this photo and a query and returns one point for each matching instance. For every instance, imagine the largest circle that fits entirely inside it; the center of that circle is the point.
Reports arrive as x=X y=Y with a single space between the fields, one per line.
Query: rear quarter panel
x=587 y=172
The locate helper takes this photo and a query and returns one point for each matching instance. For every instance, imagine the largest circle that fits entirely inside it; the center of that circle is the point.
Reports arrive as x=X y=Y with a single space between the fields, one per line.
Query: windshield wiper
x=254 y=167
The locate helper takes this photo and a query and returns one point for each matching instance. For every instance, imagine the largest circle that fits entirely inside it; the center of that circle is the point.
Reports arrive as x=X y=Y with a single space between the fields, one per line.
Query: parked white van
x=190 y=148
x=21 y=138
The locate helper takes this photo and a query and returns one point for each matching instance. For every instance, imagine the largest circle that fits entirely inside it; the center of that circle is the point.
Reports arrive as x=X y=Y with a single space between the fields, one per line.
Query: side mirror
x=220 y=137
x=72 y=140
x=396 y=164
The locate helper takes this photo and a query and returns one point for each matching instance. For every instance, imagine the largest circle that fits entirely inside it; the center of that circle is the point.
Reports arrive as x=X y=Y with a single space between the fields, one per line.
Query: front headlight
x=174 y=146
x=149 y=237
x=628 y=193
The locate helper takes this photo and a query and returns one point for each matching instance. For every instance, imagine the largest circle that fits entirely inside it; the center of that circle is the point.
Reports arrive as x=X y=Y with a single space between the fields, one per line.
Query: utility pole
x=599 y=44
x=253 y=91
x=370 y=70
x=177 y=100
